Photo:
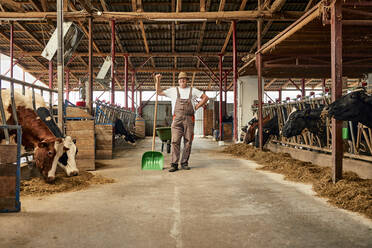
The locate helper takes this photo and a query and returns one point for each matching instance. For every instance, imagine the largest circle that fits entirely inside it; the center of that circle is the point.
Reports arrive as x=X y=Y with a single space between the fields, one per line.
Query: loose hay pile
x=38 y=187
x=351 y=193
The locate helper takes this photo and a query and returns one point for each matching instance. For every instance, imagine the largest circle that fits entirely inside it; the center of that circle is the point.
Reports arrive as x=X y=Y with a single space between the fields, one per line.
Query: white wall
x=247 y=93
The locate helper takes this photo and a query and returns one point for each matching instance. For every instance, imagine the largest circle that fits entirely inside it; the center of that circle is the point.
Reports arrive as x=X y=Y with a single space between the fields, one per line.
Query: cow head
x=295 y=123
x=45 y=156
x=68 y=159
x=270 y=127
x=354 y=106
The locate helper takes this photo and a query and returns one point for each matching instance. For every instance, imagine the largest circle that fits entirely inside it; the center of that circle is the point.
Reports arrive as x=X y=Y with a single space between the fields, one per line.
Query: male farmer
x=183 y=109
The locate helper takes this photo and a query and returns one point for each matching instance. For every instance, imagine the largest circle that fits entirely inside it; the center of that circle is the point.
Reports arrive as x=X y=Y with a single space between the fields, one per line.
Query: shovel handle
x=155 y=114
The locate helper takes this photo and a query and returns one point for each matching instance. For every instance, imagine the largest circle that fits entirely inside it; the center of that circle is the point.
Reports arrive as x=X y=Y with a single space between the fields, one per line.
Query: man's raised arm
x=159 y=91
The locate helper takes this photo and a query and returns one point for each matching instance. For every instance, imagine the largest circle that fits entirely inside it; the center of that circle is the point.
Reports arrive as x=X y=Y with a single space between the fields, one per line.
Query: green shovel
x=153 y=160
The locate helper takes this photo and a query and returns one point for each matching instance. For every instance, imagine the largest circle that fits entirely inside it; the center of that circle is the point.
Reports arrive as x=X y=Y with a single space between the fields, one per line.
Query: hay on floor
x=38 y=187
x=351 y=193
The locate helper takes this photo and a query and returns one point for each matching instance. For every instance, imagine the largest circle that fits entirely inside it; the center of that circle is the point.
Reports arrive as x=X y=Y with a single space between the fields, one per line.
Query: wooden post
x=60 y=74
x=90 y=67
x=259 y=72
x=235 y=78
x=112 y=61
x=336 y=67
x=280 y=95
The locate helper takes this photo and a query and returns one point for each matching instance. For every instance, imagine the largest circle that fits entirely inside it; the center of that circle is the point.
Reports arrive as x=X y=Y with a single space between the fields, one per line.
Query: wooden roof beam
x=202 y=5
x=277 y=5
x=33 y=37
x=87 y=5
x=120 y=70
x=137 y=54
x=135 y=5
x=145 y=16
x=44 y=5
x=173 y=29
x=229 y=33
x=270 y=83
x=221 y=8
x=17 y=6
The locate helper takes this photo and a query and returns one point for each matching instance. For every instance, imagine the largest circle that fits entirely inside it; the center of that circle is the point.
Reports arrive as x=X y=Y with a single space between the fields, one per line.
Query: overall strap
x=190 y=95
x=178 y=93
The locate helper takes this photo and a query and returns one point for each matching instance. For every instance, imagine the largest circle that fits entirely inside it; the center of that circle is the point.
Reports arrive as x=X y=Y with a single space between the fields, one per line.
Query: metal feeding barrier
x=12 y=82
x=107 y=113
x=10 y=164
x=357 y=137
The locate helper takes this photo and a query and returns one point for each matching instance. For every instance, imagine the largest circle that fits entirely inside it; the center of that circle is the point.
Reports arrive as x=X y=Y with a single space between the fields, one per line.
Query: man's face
x=182 y=82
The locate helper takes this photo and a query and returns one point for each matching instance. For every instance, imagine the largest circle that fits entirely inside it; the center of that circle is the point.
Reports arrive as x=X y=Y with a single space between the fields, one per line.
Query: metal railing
x=23 y=85
x=107 y=113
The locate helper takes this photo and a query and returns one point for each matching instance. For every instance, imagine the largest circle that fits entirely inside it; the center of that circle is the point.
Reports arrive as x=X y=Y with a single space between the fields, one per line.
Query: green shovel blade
x=152 y=161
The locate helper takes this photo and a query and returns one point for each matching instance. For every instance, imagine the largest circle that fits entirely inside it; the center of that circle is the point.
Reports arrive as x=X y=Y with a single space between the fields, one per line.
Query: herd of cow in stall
x=41 y=135
x=355 y=107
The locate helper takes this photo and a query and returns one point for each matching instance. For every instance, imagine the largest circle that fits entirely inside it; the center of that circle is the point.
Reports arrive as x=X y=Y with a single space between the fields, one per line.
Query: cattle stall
x=356 y=136
x=36 y=95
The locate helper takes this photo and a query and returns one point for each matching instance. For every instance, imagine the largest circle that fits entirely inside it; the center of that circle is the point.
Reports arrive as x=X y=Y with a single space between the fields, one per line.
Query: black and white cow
x=270 y=128
x=67 y=161
x=355 y=106
x=121 y=131
x=307 y=118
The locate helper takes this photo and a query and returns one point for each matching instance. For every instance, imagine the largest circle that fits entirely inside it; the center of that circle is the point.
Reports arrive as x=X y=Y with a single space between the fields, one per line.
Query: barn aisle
x=221 y=202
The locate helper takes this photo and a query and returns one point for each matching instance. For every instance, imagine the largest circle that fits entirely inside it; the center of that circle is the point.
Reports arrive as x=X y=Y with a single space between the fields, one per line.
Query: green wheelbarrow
x=165 y=135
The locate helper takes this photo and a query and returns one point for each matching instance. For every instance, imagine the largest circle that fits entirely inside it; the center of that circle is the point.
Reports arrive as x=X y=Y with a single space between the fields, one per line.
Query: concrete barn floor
x=221 y=202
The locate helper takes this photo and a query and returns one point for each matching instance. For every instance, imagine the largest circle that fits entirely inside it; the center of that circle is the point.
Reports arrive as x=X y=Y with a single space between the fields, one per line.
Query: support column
x=235 y=78
x=336 y=67
x=50 y=74
x=60 y=74
x=126 y=81
x=225 y=92
x=220 y=105
x=324 y=85
x=11 y=52
x=68 y=85
x=303 y=91
x=140 y=102
x=259 y=80
x=133 y=83
x=280 y=95
x=90 y=67
x=112 y=61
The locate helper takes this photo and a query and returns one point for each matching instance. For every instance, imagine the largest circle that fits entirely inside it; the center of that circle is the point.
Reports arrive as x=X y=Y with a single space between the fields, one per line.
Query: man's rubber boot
x=185 y=167
x=174 y=168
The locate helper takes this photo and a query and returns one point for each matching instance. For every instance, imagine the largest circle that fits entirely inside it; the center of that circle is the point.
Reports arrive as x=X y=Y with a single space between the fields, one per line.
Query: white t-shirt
x=184 y=94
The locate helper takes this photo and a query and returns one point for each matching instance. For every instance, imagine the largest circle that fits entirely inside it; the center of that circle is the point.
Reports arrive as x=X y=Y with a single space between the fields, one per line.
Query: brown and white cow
x=35 y=134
